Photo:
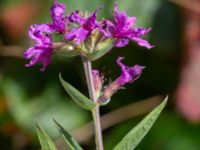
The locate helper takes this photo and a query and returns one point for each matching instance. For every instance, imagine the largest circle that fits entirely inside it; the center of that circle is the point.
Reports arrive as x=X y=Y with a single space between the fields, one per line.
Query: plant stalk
x=95 y=113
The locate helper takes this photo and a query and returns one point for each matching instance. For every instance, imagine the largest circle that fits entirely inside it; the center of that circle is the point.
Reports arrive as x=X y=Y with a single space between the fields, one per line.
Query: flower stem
x=97 y=125
x=88 y=73
x=95 y=113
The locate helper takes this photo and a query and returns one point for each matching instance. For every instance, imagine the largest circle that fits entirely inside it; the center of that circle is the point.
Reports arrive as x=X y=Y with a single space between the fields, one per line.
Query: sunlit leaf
x=134 y=137
x=78 y=97
x=68 y=138
x=45 y=141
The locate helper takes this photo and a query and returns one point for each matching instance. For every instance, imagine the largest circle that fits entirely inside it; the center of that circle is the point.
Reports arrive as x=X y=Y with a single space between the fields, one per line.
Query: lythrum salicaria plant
x=90 y=39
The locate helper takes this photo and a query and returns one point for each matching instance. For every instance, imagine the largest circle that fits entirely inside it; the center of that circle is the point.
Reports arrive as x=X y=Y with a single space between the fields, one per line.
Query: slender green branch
x=95 y=113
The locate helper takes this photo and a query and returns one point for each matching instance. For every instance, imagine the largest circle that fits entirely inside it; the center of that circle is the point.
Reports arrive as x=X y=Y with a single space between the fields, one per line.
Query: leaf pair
x=47 y=143
x=129 y=142
x=81 y=100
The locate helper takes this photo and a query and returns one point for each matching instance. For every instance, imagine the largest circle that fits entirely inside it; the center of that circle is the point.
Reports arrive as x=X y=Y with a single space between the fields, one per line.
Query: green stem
x=89 y=78
x=95 y=113
x=97 y=125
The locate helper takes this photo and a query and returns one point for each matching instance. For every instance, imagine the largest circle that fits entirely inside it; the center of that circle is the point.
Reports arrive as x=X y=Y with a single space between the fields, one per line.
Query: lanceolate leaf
x=78 y=97
x=45 y=140
x=101 y=50
x=68 y=138
x=134 y=137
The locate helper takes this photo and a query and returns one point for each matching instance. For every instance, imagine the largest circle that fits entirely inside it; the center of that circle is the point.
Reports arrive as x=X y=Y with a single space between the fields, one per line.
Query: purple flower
x=122 y=29
x=42 y=51
x=40 y=33
x=85 y=26
x=43 y=48
x=39 y=54
x=57 y=14
x=128 y=75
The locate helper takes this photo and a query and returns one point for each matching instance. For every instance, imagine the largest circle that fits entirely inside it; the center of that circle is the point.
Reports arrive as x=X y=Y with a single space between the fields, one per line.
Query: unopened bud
x=98 y=82
x=109 y=91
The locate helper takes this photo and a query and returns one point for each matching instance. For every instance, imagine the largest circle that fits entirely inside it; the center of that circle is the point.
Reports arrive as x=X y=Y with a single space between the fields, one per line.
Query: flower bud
x=98 y=82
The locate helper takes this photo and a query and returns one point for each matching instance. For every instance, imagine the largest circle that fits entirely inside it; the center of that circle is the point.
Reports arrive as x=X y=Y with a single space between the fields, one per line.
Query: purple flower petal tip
x=38 y=54
x=84 y=28
x=75 y=17
x=57 y=9
x=43 y=48
x=57 y=14
x=121 y=28
x=129 y=74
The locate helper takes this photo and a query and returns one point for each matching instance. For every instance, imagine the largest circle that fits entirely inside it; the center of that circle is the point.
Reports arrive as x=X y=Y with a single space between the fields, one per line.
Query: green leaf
x=68 y=138
x=134 y=137
x=78 y=97
x=101 y=50
x=45 y=140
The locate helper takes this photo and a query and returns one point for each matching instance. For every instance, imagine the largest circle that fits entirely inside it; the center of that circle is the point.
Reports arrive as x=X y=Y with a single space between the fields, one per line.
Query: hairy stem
x=98 y=132
x=95 y=113
x=88 y=73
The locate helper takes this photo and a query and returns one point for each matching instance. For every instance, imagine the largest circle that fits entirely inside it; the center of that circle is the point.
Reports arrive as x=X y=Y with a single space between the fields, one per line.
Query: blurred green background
x=27 y=95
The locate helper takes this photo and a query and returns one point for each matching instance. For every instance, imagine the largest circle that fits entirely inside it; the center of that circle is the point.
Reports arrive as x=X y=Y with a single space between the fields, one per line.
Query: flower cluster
x=121 y=28
x=42 y=35
x=77 y=28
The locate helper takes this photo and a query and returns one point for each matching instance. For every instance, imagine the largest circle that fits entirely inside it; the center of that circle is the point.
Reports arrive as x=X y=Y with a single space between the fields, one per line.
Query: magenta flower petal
x=85 y=26
x=57 y=14
x=74 y=17
x=40 y=33
x=141 y=31
x=106 y=27
x=129 y=74
x=38 y=54
x=91 y=22
x=43 y=48
x=142 y=42
x=77 y=34
x=121 y=42
x=122 y=29
x=57 y=9
x=123 y=22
